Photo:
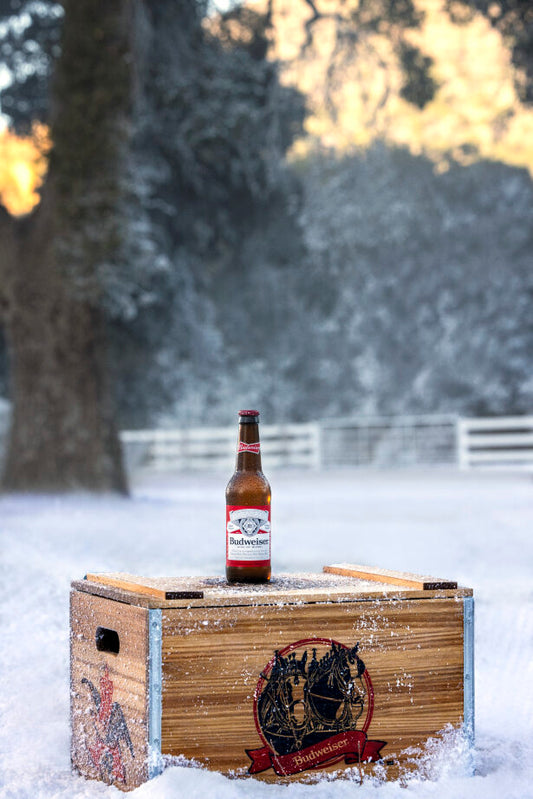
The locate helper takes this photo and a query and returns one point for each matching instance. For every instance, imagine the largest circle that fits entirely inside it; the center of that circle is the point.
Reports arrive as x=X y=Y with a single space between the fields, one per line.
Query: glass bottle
x=248 y=509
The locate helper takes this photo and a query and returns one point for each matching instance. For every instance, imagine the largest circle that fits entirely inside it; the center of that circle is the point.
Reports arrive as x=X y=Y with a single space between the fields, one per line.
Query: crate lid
x=338 y=582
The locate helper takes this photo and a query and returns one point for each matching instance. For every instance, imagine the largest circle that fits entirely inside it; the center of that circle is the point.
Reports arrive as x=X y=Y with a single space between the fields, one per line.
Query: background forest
x=320 y=208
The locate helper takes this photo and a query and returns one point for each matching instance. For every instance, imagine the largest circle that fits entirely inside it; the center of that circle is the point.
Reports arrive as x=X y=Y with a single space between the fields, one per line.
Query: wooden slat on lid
x=149 y=587
x=405 y=579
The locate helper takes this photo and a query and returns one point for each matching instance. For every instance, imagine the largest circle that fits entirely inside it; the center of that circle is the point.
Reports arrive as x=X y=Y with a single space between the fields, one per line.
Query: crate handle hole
x=107 y=640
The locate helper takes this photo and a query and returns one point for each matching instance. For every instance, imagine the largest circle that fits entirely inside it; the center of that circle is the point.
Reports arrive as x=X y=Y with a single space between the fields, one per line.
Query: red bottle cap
x=248 y=413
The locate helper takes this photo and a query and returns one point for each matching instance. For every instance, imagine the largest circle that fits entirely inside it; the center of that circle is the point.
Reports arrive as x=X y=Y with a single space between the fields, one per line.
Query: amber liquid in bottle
x=248 y=509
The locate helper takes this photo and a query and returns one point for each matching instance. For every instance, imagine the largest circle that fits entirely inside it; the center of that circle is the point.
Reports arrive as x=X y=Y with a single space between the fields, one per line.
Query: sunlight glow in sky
x=474 y=114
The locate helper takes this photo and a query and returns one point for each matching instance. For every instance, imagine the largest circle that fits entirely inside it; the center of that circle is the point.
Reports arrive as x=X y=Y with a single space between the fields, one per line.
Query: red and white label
x=243 y=447
x=247 y=535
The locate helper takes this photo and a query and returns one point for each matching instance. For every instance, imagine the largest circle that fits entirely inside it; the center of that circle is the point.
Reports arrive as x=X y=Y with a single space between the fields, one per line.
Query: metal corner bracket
x=155 y=689
x=468 y=672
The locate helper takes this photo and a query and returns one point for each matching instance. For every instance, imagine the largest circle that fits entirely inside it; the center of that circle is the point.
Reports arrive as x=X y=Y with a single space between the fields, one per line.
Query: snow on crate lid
x=248 y=413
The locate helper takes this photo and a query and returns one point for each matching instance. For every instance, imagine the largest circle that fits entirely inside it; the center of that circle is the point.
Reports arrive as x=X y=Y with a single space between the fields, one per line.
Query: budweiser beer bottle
x=248 y=509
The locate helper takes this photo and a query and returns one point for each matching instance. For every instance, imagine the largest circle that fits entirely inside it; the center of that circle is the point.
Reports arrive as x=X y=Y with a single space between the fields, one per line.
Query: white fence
x=499 y=443
x=376 y=441
x=389 y=441
x=502 y=443
x=215 y=447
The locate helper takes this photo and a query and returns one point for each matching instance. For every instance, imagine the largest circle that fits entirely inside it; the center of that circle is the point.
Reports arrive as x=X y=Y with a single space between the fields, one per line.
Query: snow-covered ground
x=477 y=529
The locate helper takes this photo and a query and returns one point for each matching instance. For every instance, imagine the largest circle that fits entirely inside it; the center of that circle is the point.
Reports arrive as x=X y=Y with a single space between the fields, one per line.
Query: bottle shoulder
x=248 y=488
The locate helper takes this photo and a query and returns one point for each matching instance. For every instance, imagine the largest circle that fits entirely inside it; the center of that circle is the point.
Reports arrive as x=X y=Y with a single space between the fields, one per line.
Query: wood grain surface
x=122 y=678
x=405 y=579
x=184 y=588
x=213 y=659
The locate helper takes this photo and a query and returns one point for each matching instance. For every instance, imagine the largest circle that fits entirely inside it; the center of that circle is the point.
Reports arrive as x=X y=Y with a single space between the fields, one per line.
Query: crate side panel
x=109 y=713
x=213 y=660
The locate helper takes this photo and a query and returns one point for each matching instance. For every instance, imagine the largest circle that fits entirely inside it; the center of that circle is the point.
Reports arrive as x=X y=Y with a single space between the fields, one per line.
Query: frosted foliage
x=472 y=528
x=383 y=289
x=431 y=280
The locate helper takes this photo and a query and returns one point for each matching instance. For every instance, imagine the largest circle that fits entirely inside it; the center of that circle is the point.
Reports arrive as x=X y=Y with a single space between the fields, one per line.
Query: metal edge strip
x=155 y=688
x=468 y=673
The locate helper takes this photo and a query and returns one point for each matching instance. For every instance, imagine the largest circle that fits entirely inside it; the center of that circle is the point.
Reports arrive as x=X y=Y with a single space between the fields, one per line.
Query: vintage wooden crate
x=354 y=668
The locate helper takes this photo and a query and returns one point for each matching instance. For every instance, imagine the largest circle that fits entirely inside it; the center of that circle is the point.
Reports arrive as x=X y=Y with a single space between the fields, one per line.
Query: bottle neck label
x=254 y=447
x=247 y=535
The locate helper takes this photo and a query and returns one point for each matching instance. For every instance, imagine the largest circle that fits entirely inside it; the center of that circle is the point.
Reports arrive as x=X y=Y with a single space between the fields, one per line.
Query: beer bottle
x=248 y=509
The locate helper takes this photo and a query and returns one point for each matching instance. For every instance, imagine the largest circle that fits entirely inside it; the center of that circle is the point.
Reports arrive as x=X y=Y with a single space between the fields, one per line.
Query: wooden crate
x=354 y=668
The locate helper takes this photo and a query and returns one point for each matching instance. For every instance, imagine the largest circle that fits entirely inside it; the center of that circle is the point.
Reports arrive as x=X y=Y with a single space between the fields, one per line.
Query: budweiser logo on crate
x=313 y=706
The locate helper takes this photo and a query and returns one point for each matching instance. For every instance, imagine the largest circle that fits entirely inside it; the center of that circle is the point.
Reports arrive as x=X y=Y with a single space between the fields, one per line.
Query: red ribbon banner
x=352 y=745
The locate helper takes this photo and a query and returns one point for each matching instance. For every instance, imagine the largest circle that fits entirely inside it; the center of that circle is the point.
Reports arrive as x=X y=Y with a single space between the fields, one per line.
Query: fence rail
x=407 y=440
x=504 y=443
x=215 y=447
x=389 y=440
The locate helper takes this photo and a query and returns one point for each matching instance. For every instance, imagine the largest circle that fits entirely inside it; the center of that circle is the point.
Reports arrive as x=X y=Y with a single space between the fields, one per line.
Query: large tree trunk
x=63 y=434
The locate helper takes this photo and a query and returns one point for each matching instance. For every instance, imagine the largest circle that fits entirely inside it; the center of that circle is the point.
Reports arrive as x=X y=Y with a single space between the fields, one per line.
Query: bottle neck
x=248 y=448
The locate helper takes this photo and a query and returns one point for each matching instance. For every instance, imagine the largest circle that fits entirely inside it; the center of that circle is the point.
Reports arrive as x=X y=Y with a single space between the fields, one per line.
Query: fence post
x=462 y=443
x=317 y=445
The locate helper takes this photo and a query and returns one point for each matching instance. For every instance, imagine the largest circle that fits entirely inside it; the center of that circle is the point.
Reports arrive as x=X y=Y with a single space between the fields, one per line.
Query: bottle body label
x=247 y=535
